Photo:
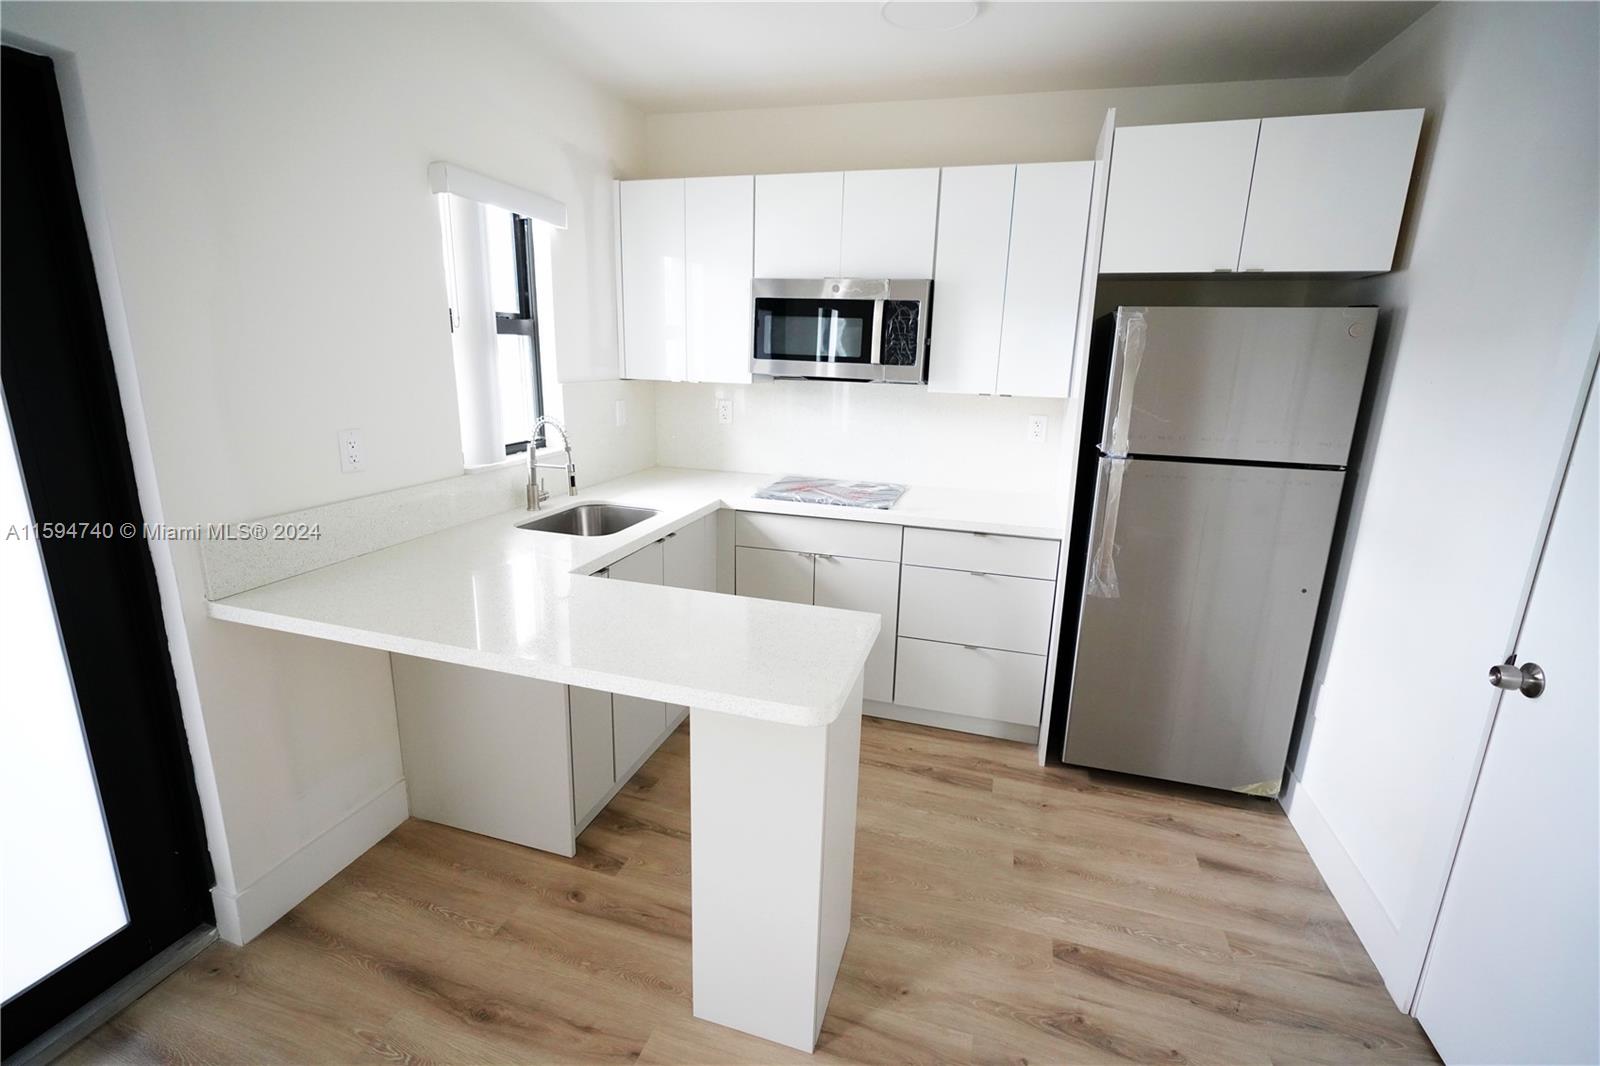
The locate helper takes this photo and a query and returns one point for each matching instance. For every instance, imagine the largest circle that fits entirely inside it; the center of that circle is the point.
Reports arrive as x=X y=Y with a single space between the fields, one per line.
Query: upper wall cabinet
x=685 y=248
x=1308 y=194
x=1044 y=276
x=1008 y=277
x=969 y=278
x=1329 y=191
x=1178 y=196
x=719 y=240
x=797 y=225
x=889 y=222
x=650 y=224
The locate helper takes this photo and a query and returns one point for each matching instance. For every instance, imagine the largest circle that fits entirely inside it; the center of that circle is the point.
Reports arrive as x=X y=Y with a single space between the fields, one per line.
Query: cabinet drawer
x=1003 y=686
x=988 y=553
x=987 y=610
x=825 y=536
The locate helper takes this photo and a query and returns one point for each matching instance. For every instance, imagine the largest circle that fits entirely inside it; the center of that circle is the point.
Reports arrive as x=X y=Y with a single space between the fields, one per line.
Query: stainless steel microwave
x=843 y=329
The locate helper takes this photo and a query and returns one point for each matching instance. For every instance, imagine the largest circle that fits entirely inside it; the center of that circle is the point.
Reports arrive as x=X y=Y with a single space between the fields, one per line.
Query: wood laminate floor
x=1002 y=913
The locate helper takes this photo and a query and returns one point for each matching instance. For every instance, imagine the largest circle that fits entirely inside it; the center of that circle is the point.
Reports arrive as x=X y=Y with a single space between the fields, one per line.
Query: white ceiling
x=713 y=56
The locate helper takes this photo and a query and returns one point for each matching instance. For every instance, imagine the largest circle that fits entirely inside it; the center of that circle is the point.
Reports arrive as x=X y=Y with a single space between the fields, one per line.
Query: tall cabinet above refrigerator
x=1216 y=473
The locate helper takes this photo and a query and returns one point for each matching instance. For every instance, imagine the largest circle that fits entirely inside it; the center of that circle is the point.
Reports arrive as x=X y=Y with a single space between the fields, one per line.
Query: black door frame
x=66 y=414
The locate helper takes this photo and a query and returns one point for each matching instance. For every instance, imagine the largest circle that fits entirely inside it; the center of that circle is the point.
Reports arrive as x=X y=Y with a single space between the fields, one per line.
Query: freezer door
x=1202 y=587
x=1272 y=384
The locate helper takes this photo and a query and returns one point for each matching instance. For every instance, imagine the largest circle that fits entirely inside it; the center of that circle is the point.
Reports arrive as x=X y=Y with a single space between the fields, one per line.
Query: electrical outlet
x=725 y=412
x=622 y=412
x=1038 y=428
x=351 y=460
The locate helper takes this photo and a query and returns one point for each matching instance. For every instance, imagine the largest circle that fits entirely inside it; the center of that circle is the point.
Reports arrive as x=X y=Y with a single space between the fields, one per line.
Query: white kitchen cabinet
x=973 y=682
x=986 y=610
x=652 y=250
x=797 y=225
x=970 y=277
x=719 y=250
x=1044 y=274
x=638 y=726
x=889 y=221
x=1328 y=191
x=988 y=553
x=689 y=556
x=833 y=536
x=873 y=586
x=593 y=763
x=643 y=566
x=774 y=575
x=1178 y=197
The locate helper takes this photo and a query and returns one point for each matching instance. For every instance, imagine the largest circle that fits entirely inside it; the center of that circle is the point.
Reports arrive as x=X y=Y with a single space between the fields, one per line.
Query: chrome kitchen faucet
x=536 y=490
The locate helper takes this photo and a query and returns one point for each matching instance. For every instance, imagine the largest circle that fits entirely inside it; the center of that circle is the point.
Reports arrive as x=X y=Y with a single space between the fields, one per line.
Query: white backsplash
x=860 y=430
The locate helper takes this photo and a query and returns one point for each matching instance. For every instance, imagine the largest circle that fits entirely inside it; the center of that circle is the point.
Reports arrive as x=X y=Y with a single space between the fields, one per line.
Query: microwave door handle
x=877 y=331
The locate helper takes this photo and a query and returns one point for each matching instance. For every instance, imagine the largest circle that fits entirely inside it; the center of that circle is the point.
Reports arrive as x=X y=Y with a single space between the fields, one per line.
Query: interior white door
x=1044 y=274
x=1513 y=974
x=651 y=245
x=970 y=277
x=797 y=224
x=1177 y=197
x=1328 y=191
x=889 y=222
x=719 y=250
x=871 y=585
x=774 y=575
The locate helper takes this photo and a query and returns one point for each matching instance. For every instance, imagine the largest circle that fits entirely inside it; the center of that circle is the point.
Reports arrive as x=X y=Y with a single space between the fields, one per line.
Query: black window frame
x=525 y=322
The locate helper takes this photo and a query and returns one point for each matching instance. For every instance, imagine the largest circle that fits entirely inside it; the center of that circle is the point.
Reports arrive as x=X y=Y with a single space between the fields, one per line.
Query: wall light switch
x=622 y=412
x=1038 y=428
x=725 y=412
x=351 y=460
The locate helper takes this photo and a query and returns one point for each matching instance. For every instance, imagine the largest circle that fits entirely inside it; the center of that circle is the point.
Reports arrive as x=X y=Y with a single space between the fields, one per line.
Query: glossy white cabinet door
x=1049 y=224
x=773 y=575
x=970 y=277
x=1329 y=190
x=986 y=610
x=797 y=224
x=593 y=768
x=889 y=222
x=689 y=556
x=643 y=566
x=1177 y=198
x=652 y=279
x=1002 y=686
x=719 y=243
x=637 y=724
x=870 y=585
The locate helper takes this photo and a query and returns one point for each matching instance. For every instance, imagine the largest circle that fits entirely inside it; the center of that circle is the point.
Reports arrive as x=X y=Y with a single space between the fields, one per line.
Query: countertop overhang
x=486 y=594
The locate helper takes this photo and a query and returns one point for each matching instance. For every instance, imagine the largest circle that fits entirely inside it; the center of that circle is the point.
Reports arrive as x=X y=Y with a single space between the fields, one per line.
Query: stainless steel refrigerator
x=1216 y=477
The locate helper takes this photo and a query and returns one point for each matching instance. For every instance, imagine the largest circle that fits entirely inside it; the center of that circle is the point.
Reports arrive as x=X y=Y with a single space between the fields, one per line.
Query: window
x=516 y=321
x=493 y=256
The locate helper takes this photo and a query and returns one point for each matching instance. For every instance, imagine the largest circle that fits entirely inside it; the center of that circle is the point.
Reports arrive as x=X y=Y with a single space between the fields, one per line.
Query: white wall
x=833 y=429
x=907 y=434
x=263 y=180
x=1491 y=316
x=1015 y=128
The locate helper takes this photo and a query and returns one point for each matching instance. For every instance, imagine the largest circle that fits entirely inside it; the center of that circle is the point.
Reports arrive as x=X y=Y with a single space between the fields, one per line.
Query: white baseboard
x=983 y=727
x=1350 y=890
x=245 y=915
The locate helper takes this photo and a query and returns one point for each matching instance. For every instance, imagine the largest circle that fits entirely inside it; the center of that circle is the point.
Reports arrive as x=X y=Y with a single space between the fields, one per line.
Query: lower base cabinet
x=966 y=616
x=594 y=768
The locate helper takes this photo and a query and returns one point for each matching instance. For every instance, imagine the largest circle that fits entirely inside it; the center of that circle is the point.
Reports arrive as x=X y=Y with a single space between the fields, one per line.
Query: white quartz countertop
x=487 y=594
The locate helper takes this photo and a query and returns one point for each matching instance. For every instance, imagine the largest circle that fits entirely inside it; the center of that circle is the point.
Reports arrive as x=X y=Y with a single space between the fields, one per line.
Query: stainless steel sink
x=589 y=520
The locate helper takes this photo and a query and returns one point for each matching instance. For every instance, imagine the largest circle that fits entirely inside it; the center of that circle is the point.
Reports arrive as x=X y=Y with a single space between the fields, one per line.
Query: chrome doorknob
x=1527 y=679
